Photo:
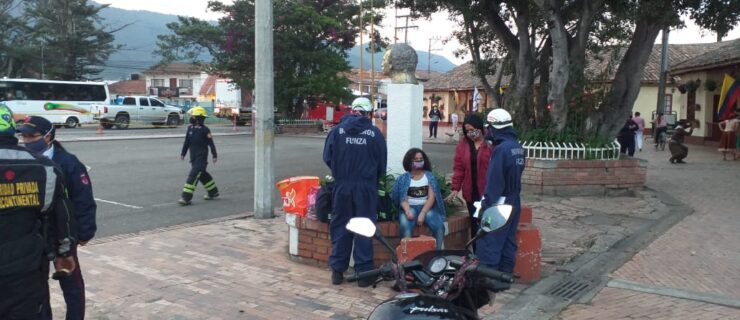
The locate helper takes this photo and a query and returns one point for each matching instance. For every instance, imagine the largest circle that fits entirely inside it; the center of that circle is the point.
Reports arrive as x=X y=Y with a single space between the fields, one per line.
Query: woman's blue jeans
x=433 y=221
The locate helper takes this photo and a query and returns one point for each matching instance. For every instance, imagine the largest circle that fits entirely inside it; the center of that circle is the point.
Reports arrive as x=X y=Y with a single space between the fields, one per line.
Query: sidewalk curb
x=125 y=236
x=592 y=268
x=163 y=136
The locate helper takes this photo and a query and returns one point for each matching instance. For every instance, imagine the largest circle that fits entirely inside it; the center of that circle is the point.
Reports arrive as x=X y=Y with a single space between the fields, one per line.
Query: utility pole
x=362 y=48
x=429 y=54
x=663 y=70
x=264 y=134
x=372 y=54
x=406 y=27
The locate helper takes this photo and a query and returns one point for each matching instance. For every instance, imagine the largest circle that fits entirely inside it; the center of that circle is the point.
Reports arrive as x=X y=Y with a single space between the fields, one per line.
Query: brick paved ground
x=699 y=254
x=240 y=268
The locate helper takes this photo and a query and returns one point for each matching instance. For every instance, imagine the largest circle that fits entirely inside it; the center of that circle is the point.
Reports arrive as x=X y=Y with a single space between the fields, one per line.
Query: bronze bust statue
x=399 y=63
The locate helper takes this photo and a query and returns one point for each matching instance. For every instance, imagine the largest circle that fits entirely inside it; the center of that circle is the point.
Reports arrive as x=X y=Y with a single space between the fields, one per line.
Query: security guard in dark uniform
x=503 y=185
x=198 y=139
x=36 y=225
x=356 y=153
x=38 y=135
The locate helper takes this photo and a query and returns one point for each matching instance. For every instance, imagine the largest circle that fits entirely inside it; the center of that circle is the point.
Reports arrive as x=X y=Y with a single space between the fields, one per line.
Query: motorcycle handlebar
x=362 y=275
x=493 y=274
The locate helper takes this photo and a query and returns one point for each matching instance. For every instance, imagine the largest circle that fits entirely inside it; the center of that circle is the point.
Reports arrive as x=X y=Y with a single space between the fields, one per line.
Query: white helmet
x=499 y=118
x=362 y=104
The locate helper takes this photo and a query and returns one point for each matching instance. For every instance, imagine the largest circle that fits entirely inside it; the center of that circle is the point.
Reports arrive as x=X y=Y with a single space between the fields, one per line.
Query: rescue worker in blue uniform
x=198 y=139
x=38 y=134
x=36 y=225
x=503 y=179
x=355 y=151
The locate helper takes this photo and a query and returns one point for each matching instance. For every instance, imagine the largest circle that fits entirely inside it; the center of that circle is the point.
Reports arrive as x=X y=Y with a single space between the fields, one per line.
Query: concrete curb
x=162 y=136
x=674 y=293
x=591 y=268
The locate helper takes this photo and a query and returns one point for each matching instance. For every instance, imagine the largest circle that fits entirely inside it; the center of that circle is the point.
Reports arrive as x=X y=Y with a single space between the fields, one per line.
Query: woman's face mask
x=474 y=134
x=418 y=164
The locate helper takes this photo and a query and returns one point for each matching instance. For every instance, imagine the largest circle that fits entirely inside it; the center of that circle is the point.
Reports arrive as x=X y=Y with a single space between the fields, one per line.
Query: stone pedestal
x=405 y=108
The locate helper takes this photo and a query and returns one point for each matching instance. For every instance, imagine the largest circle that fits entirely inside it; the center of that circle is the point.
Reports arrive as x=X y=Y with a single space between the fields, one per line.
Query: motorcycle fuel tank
x=414 y=306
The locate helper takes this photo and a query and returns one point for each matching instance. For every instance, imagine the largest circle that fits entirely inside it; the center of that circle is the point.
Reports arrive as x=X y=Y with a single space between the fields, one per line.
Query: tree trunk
x=614 y=111
x=559 y=72
x=541 y=118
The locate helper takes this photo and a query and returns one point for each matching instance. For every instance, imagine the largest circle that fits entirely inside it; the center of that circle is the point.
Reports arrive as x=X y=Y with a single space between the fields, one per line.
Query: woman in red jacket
x=471 y=164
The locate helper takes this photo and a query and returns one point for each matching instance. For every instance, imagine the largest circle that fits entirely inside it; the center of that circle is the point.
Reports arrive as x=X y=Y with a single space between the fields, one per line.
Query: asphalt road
x=137 y=182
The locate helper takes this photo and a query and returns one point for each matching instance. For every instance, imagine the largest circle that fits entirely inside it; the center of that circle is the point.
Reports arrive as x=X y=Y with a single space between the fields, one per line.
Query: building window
x=157 y=82
x=186 y=83
x=668 y=106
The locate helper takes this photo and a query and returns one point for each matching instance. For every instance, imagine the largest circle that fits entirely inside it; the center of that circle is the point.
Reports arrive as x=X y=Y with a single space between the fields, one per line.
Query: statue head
x=399 y=62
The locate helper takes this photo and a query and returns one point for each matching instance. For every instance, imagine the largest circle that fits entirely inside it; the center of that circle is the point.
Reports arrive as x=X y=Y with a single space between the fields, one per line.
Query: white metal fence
x=570 y=151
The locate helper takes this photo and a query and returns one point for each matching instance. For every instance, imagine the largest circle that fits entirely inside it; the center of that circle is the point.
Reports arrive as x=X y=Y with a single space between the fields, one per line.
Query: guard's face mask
x=38 y=146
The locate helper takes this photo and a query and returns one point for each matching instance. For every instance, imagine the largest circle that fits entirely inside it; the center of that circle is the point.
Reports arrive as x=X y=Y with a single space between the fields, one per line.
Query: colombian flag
x=728 y=98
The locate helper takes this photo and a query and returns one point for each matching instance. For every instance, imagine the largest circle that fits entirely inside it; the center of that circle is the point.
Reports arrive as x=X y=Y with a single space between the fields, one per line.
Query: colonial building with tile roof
x=454 y=89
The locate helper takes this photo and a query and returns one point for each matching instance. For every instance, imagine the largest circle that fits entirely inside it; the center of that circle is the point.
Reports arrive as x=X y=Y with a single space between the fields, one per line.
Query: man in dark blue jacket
x=356 y=153
x=38 y=135
x=503 y=180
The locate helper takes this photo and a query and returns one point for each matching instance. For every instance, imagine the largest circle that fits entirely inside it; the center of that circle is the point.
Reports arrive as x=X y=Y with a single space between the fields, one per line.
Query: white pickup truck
x=139 y=109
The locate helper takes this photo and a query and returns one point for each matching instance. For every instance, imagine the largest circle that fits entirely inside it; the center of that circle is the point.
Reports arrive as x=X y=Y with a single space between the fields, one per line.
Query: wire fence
x=570 y=151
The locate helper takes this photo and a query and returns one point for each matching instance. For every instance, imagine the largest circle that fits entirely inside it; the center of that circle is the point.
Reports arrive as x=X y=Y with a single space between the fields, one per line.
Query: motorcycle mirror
x=362 y=226
x=495 y=217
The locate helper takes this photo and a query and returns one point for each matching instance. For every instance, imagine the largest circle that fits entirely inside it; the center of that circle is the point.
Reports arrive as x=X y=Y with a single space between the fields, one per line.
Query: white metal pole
x=264 y=134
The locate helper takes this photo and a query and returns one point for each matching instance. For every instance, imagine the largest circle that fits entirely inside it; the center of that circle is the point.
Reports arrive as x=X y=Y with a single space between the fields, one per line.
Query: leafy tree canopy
x=310 y=43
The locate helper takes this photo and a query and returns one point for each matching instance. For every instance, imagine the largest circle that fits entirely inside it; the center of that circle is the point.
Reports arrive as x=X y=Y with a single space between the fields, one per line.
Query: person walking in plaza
x=198 y=140
x=355 y=151
x=434 y=117
x=660 y=124
x=639 y=138
x=418 y=195
x=472 y=156
x=36 y=225
x=455 y=119
x=503 y=185
x=38 y=135
x=728 y=140
x=626 y=137
x=679 y=150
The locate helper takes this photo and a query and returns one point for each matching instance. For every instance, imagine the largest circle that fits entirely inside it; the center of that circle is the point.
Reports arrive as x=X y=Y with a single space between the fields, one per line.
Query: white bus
x=68 y=103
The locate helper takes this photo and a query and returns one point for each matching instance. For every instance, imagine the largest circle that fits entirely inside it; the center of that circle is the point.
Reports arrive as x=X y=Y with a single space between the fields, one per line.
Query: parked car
x=141 y=109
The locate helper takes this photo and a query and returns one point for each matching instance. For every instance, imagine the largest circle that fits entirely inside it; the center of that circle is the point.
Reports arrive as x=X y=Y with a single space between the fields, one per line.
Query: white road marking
x=119 y=204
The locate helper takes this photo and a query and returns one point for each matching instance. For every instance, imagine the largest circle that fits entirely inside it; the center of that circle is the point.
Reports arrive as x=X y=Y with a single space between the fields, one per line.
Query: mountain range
x=139 y=38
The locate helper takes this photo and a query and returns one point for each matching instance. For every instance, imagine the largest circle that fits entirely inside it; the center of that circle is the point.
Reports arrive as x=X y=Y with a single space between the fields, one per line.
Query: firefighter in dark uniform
x=503 y=185
x=38 y=134
x=356 y=153
x=198 y=139
x=36 y=225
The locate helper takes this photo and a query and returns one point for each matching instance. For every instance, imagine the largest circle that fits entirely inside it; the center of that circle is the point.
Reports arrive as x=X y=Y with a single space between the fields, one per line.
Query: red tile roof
x=175 y=68
x=128 y=87
x=209 y=86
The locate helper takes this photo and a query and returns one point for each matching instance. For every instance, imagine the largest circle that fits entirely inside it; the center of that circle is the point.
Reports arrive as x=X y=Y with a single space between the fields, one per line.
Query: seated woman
x=417 y=193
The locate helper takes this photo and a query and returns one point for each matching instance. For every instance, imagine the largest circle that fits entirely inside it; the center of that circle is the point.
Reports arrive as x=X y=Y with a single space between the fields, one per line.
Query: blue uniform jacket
x=401 y=188
x=356 y=151
x=80 y=191
x=504 y=176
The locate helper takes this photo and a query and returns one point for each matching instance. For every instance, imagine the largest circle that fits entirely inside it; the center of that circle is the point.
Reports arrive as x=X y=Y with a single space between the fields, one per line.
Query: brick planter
x=309 y=239
x=583 y=177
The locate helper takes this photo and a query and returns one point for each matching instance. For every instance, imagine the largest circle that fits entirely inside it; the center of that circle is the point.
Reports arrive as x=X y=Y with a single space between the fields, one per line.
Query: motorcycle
x=443 y=284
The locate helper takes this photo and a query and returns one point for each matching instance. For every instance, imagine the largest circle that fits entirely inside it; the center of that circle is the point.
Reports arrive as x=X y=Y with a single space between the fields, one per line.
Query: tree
x=719 y=16
x=15 y=41
x=69 y=32
x=310 y=43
